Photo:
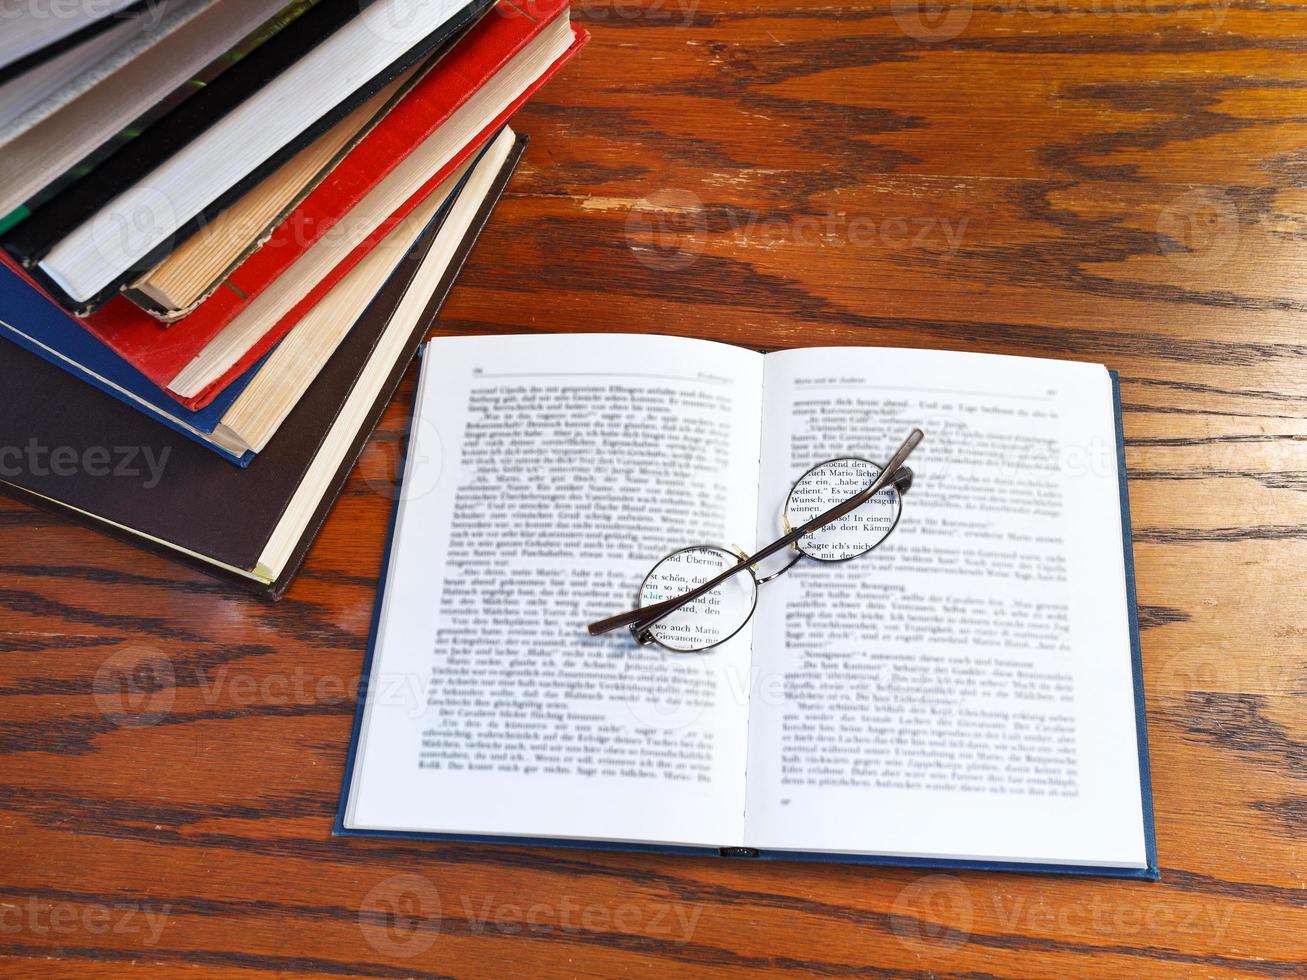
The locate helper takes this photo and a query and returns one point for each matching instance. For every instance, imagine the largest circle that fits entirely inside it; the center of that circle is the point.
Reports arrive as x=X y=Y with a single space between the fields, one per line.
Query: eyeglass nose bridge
x=763 y=580
x=744 y=556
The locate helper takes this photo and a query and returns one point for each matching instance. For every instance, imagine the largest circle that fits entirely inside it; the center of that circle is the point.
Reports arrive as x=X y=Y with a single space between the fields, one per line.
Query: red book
x=160 y=352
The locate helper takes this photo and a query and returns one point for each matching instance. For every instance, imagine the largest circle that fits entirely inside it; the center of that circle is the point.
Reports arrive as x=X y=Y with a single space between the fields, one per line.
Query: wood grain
x=1121 y=181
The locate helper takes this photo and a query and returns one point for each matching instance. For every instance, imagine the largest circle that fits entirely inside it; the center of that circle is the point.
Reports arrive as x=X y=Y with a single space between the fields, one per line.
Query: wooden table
x=1120 y=182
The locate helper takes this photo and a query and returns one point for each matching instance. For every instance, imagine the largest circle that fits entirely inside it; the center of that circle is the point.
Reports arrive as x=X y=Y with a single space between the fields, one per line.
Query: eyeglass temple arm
x=641 y=619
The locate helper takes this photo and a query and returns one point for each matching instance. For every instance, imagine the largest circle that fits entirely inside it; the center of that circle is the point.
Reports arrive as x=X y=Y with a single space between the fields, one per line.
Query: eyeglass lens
x=712 y=618
x=825 y=486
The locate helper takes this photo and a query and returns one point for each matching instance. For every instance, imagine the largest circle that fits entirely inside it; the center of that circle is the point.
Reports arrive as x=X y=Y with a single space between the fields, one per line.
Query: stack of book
x=225 y=226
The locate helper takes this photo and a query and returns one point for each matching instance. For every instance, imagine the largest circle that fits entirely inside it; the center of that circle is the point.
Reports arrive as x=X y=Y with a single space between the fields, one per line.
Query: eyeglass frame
x=640 y=621
x=902 y=483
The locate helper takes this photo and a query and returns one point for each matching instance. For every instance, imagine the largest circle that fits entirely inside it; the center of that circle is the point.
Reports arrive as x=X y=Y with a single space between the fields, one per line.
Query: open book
x=967 y=693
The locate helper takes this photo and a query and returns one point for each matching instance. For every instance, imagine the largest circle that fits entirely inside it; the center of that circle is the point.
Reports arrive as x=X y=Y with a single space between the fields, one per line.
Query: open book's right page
x=965 y=691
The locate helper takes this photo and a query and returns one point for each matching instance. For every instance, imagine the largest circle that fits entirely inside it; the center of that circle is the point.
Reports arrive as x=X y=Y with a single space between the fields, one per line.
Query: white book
x=966 y=693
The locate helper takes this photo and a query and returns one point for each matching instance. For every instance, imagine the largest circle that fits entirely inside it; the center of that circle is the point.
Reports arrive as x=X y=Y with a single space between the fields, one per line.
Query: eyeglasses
x=696 y=598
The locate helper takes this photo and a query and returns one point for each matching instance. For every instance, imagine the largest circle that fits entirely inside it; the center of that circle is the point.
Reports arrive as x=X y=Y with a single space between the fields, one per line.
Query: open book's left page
x=545 y=477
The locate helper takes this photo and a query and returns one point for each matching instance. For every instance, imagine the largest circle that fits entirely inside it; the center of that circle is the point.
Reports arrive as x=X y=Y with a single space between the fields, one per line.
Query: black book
x=64 y=443
x=111 y=226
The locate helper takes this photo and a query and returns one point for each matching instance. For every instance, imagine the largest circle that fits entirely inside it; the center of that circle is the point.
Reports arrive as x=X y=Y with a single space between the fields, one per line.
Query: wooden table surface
x=1121 y=181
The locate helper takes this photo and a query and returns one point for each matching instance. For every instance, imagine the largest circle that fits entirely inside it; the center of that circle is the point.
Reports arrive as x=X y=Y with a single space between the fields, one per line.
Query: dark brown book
x=69 y=447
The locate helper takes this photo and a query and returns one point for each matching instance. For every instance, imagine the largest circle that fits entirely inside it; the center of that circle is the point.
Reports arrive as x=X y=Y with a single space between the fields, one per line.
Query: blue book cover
x=34 y=323
x=1149 y=873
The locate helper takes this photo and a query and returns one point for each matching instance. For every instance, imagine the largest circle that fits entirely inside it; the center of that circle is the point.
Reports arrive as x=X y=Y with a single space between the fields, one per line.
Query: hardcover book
x=447 y=117
x=251 y=526
x=159 y=189
x=198 y=267
x=968 y=694
x=240 y=420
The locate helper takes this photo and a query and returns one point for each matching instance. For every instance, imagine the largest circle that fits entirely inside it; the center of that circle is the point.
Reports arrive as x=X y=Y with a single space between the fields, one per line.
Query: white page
x=546 y=476
x=915 y=704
